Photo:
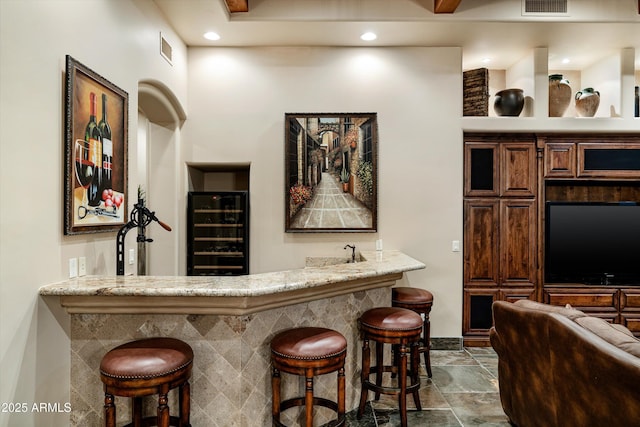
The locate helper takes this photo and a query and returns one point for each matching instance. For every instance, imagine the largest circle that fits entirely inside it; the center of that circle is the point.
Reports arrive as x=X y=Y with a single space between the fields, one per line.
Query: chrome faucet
x=353 y=252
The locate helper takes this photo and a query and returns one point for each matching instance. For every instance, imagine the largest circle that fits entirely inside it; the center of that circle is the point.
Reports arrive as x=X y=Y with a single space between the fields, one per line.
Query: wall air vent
x=545 y=7
x=165 y=49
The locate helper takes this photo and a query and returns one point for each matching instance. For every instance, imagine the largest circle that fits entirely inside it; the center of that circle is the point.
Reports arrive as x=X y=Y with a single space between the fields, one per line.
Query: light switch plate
x=82 y=266
x=73 y=268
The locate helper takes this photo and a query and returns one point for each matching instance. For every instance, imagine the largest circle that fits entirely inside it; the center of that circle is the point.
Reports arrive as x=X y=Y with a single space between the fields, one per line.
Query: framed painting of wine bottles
x=96 y=117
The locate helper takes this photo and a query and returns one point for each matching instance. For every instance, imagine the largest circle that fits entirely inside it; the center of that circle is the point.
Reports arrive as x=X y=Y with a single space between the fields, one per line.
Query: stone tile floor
x=463 y=392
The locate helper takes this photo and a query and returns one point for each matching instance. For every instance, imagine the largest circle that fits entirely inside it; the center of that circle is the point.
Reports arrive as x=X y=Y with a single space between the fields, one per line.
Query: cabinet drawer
x=513 y=295
x=588 y=300
x=632 y=322
x=630 y=300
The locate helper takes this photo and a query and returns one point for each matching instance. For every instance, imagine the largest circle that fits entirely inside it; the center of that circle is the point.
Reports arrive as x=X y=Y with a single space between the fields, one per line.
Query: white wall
x=119 y=40
x=237 y=101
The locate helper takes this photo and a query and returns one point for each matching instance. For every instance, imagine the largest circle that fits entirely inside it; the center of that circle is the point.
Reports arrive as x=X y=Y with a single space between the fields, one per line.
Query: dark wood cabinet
x=218 y=233
x=614 y=304
x=499 y=229
x=508 y=179
x=499 y=169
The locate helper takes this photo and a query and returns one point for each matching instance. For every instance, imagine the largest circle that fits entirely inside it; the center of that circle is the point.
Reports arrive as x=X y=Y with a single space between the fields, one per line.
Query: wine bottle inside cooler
x=93 y=136
x=107 y=146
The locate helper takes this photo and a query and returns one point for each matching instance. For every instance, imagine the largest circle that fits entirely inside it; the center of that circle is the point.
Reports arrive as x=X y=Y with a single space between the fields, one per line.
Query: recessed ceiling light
x=486 y=60
x=211 y=36
x=566 y=60
x=369 y=36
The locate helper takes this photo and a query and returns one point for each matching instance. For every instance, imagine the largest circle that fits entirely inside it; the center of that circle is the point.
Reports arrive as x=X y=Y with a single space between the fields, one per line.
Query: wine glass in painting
x=83 y=166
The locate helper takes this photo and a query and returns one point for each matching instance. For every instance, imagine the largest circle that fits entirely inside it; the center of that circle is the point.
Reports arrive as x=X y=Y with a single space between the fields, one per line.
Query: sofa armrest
x=596 y=382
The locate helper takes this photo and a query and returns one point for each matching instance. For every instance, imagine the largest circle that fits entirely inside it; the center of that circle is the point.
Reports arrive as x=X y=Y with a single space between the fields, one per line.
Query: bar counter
x=229 y=322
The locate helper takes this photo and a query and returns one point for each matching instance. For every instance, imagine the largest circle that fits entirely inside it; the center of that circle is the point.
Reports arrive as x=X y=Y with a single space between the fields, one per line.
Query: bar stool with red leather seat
x=420 y=301
x=146 y=367
x=395 y=326
x=308 y=352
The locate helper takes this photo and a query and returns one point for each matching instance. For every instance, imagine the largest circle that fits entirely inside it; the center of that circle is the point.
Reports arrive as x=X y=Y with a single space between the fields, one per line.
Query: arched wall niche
x=160 y=172
x=159 y=104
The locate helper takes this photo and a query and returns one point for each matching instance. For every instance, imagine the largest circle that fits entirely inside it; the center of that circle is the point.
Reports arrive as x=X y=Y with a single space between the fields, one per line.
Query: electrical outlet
x=132 y=256
x=73 y=268
x=82 y=266
x=379 y=245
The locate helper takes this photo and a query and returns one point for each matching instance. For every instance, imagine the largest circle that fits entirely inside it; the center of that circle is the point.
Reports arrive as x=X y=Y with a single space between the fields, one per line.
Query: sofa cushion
x=610 y=333
x=567 y=311
x=622 y=329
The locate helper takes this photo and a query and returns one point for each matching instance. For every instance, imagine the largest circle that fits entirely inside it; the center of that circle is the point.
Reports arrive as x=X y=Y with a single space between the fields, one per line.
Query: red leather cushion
x=146 y=358
x=411 y=295
x=391 y=318
x=309 y=343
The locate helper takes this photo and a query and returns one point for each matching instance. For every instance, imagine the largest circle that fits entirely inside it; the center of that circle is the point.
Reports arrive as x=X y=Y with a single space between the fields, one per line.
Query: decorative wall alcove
x=157 y=160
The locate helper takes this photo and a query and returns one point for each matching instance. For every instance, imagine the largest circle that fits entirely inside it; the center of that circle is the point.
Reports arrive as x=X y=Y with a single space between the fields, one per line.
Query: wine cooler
x=218 y=233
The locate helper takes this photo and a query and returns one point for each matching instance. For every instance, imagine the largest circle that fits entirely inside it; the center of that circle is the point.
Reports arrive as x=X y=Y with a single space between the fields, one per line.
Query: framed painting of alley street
x=331 y=164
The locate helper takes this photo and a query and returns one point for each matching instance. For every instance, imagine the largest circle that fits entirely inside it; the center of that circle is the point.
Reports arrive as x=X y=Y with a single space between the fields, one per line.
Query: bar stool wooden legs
x=308 y=352
x=145 y=367
x=420 y=301
x=396 y=326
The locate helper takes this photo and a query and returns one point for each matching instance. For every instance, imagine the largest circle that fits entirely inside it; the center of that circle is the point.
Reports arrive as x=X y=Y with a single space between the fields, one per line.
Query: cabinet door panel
x=518 y=170
x=481 y=169
x=518 y=242
x=560 y=160
x=477 y=316
x=481 y=242
x=609 y=160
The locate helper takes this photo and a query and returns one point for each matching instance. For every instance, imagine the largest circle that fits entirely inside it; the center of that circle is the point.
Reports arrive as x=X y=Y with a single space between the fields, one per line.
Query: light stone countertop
x=230 y=294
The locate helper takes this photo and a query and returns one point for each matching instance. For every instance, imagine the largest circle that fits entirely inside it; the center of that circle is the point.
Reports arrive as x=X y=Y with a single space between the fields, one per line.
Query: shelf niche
x=218 y=177
x=614 y=76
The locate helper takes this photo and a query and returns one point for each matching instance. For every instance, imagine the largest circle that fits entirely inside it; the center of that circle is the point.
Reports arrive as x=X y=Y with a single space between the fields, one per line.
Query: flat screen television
x=592 y=243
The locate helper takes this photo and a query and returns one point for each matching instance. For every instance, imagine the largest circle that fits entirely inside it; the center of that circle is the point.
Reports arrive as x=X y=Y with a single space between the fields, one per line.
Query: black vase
x=509 y=102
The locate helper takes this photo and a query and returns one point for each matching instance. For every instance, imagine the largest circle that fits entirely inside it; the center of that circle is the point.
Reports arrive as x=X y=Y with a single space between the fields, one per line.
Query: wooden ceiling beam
x=445 y=6
x=237 y=5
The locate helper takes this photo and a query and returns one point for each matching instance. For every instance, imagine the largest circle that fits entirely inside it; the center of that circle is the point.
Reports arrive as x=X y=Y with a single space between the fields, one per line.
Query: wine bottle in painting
x=93 y=136
x=107 y=147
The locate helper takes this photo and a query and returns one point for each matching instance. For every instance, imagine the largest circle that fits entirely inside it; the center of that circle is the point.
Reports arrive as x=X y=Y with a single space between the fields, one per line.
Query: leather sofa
x=560 y=367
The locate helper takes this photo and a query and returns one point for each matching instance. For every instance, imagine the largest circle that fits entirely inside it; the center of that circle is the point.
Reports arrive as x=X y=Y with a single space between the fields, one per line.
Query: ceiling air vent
x=544 y=7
